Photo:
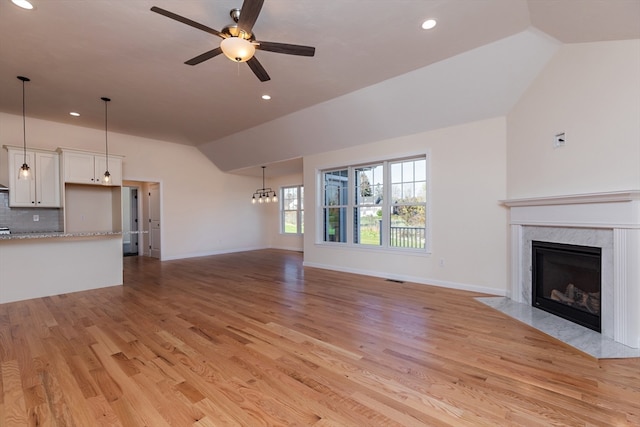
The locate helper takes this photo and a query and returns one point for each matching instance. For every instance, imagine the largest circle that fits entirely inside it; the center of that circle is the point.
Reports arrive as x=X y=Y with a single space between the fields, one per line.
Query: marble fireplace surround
x=610 y=221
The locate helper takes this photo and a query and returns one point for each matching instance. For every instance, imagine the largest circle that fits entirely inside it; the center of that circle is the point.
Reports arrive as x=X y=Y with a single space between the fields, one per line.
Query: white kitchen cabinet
x=42 y=188
x=82 y=167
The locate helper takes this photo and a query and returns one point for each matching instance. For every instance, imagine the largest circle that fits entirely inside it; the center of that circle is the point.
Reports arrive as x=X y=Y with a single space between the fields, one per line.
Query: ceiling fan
x=238 y=41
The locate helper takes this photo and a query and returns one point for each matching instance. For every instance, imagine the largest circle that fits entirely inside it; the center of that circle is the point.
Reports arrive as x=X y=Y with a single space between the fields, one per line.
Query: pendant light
x=107 y=176
x=265 y=195
x=24 y=172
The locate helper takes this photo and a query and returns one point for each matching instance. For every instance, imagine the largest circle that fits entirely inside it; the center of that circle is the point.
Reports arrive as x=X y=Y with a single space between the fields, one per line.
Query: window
x=387 y=201
x=367 y=211
x=292 y=207
x=408 y=215
x=334 y=207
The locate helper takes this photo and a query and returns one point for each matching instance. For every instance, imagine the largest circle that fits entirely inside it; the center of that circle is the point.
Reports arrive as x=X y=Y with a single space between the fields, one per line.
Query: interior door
x=154 y=220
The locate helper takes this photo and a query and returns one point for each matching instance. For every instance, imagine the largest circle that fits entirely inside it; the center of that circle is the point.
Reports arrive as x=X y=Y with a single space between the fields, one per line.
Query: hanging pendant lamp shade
x=264 y=195
x=107 y=176
x=25 y=171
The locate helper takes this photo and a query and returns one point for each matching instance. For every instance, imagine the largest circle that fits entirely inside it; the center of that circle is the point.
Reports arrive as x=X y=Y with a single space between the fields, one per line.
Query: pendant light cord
x=24 y=122
x=106 y=133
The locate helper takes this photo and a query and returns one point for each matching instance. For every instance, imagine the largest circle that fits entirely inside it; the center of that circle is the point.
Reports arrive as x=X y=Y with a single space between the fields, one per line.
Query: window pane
x=291 y=222
x=367 y=226
x=369 y=185
x=408 y=191
x=290 y=199
x=335 y=224
x=421 y=170
x=396 y=192
x=335 y=188
x=421 y=192
x=407 y=171
x=396 y=172
x=291 y=209
x=408 y=228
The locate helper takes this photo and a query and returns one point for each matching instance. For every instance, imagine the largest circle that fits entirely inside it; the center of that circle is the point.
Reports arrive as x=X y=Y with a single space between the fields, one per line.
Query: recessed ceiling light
x=23 y=4
x=74 y=114
x=266 y=97
x=429 y=24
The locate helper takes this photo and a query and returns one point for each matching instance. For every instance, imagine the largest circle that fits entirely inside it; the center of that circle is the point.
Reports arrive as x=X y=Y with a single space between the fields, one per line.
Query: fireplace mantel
x=610 y=197
x=613 y=220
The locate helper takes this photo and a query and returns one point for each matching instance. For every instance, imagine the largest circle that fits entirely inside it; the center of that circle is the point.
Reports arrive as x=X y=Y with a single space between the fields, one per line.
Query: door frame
x=144 y=215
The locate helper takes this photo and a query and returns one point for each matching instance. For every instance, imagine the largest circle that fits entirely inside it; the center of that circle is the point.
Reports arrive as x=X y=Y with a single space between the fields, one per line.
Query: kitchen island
x=34 y=265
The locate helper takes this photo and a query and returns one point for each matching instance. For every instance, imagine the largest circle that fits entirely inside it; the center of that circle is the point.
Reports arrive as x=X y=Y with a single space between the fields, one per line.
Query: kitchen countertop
x=56 y=234
x=61 y=234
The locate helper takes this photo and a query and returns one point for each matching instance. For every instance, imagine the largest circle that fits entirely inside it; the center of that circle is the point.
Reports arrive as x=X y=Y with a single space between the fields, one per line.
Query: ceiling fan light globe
x=237 y=49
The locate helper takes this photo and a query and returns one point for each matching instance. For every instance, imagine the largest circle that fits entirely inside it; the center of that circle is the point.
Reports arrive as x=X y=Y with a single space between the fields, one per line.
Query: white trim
x=608 y=197
x=209 y=253
x=609 y=214
x=288 y=248
x=517 y=273
x=413 y=279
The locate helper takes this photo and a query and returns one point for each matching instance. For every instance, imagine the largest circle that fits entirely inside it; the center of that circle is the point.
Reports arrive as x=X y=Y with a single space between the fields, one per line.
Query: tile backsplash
x=20 y=220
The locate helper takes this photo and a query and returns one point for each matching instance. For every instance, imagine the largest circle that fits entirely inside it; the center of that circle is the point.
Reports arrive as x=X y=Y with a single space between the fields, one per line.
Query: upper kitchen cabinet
x=82 y=167
x=42 y=188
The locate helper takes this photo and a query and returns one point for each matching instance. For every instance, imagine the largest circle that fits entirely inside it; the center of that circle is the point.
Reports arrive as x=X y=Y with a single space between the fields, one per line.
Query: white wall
x=276 y=238
x=475 y=85
x=467 y=179
x=204 y=211
x=591 y=91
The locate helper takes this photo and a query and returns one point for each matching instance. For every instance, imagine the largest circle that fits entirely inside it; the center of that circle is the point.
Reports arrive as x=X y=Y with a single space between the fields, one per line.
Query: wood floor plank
x=255 y=338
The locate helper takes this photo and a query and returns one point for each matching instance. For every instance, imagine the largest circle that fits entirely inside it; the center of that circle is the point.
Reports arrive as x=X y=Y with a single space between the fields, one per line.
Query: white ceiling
x=78 y=51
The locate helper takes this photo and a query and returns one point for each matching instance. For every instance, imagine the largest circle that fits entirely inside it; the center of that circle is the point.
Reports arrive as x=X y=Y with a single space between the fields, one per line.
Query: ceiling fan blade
x=207 y=55
x=186 y=21
x=248 y=14
x=288 y=49
x=257 y=69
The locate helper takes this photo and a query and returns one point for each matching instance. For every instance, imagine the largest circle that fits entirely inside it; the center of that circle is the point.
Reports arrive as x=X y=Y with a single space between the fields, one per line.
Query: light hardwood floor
x=255 y=339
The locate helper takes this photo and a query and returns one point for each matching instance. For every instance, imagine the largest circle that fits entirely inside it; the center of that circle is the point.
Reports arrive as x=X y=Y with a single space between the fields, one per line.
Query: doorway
x=141 y=212
x=130 y=236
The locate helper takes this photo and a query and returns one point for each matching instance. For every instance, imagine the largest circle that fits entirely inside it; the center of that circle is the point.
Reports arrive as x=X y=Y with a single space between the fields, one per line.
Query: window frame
x=386 y=205
x=299 y=210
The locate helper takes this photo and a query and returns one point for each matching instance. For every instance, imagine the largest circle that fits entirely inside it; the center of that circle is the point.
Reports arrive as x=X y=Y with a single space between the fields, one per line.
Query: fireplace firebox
x=566 y=281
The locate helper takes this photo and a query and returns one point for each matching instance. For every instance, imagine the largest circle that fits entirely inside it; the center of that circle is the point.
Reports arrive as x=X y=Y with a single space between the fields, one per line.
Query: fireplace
x=566 y=281
x=609 y=221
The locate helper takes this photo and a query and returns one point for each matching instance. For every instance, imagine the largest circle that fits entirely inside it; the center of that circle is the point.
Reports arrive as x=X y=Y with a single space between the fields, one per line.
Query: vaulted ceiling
x=78 y=51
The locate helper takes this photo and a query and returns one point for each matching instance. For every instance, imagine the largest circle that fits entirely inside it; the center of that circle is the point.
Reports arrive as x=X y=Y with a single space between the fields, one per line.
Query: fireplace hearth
x=566 y=281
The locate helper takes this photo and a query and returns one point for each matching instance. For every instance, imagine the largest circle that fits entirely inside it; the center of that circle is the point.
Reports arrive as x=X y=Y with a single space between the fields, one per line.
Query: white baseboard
x=419 y=280
x=209 y=253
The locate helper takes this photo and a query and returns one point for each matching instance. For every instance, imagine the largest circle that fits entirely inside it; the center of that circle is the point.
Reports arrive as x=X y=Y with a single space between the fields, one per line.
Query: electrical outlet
x=36 y=218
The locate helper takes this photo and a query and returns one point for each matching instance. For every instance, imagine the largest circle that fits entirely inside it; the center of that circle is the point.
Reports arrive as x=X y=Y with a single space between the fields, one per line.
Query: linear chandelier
x=264 y=195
